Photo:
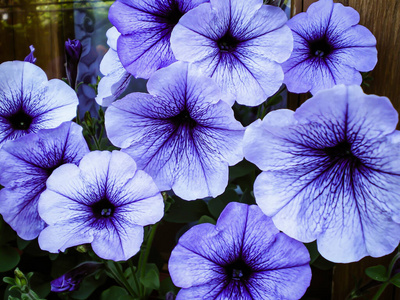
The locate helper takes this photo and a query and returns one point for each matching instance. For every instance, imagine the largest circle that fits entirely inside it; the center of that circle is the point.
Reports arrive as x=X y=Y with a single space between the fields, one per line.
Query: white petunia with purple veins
x=105 y=201
x=182 y=134
x=243 y=256
x=116 y=78
x=240 y=44
x=29 y=102
x=330 y=48
x=25 y=165
x=331 y=172
x=145 y=27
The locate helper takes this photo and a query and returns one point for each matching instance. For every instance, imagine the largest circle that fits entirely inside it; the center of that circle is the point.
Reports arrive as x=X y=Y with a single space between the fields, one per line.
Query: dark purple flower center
x=103 y=209
x=320 y=47
x=50 y=170
x=171 y=14
x=183 y=119
x=341 y=150
x=227 y=43
x=238 y=271
x=20 y=120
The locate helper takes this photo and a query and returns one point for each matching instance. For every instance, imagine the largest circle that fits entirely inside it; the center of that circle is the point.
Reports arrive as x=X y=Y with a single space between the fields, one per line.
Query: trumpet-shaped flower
x=331 y=172
x=240 y=44
x=181 y=134
x=25 y=165
x=146 y=27
x=242 y=257
x=29 y=102
x=329 y=48
x=105 y=201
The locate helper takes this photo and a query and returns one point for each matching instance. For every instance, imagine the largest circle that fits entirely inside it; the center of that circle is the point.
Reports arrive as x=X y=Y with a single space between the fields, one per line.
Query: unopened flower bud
x=73 y=51
x=30 y=58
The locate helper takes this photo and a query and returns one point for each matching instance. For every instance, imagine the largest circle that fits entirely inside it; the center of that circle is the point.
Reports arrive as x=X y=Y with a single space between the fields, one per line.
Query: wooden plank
x=383 y=19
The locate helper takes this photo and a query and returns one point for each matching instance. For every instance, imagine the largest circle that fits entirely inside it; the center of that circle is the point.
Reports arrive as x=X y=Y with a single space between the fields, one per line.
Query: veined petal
x=26 y=164
x=180 y=134
x=332 y=172
x=234 y=49
x=29 y=102
x=146 y=27
x=329 y=48
x=104 y=201
x=244 y=259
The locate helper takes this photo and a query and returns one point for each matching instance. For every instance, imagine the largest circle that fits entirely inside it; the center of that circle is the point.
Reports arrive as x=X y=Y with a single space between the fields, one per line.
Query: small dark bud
x=71 y=280
x=169 y=296
x=30 y=58
x=73 y=51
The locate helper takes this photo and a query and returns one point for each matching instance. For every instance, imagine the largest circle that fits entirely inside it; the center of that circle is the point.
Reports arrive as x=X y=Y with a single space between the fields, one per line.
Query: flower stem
x=380 y=291
x=120 y=277
x=137 y=285
x=392 y=262
x=144 y=254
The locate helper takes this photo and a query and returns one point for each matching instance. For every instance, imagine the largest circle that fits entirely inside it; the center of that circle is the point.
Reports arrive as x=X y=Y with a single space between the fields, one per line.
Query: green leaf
x=168 y=286
x=88 y=286
x=247 y=197
x=127 y=297
x=151 y=278
x=323 y=264
x=9 y=280
x=168 y=202
x=9 y=258
x=377 y=273
x=241 y=169
x=207 y=219
x=217 y=205
x=396 y=280
x=114 y=292
x=313 y=250
x=6 y=234
x=182 y=211
x=22 y=243
x=274 y=100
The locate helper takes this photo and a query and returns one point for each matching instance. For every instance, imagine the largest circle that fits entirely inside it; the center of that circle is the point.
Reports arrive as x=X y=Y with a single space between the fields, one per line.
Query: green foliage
x=313 y=250
x=206 y=219
x=20 y=285
x=241 y=169
x=87 y=287
x=182 y=211
x=167 y=286
x=151 y=278
x=9 y=258
x=377 y=273
x=114 y=292
x=217 y=205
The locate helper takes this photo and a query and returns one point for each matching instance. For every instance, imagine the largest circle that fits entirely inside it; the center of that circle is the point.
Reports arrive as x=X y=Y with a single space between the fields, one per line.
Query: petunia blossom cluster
x=330 y=171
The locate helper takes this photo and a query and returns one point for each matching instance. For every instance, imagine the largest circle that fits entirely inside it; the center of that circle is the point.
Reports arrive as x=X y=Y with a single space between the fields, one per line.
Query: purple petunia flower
x=116 y=78
x=331 y=172
x=329 y=48
x=28 y=102
x=181 y=134
x=239 y=44
x=243 y=256
x=72 y=280
x=146 y=27
x=105 y=201
x=25 y=165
